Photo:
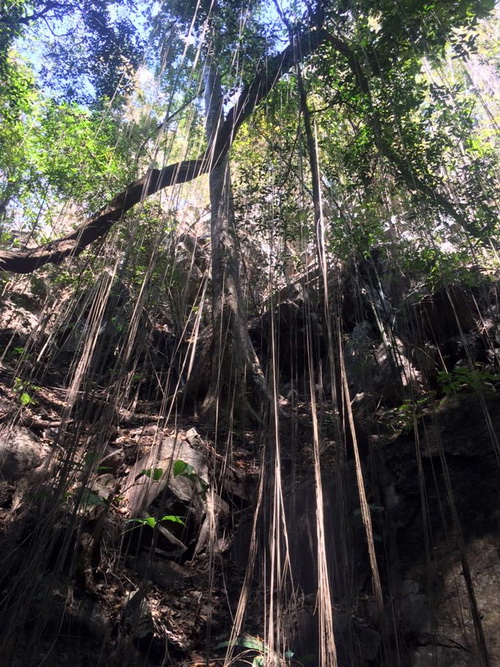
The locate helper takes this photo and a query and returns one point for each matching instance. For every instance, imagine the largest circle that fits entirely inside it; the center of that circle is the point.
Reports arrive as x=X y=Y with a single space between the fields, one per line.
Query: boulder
x=20 y=452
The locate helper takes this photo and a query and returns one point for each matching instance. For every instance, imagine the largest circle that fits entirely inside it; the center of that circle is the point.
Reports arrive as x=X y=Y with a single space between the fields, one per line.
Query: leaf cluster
x=85 y=51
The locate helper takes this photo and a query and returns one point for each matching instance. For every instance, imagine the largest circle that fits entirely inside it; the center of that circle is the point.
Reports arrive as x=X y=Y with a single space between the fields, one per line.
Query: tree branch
x=24 y=20
x=27 y=261
x=412 y=180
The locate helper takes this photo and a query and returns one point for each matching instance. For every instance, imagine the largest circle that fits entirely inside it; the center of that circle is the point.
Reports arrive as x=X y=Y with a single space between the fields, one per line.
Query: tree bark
x=233 y=362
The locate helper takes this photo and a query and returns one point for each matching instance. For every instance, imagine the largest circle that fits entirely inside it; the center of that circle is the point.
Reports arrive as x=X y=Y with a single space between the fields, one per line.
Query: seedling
x=152 y=522
x=181 y=468
x=25 y=389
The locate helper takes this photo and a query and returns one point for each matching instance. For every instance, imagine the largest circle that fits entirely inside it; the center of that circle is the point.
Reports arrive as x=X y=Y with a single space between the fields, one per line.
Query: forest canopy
x=104 y=100
x=249 y=332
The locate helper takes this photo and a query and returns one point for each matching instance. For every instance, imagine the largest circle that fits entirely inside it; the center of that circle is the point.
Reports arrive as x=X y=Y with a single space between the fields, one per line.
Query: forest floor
x=129 y=595
x=126 y=537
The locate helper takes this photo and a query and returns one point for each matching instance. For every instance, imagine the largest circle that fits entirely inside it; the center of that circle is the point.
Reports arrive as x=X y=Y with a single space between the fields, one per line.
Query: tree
x=233 y=364
x=361 y=68
x=367 y=60
x=84 y=53
x=384 y=44
x=60 y=132
x=352 y=145
x=157 y=179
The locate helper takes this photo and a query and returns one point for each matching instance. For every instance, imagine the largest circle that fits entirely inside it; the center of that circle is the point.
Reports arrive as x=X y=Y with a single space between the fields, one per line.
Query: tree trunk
x=232 y=364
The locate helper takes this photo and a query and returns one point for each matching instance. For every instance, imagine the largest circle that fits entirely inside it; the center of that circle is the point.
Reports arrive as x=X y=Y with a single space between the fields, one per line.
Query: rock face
x=20 y=452
x=383 y=370
x=144 y=485
x=466 y=425
x=118 y=574
x=435 y=517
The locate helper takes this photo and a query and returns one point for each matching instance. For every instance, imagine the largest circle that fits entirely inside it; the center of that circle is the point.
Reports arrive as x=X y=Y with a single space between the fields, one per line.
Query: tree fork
x=97 y=226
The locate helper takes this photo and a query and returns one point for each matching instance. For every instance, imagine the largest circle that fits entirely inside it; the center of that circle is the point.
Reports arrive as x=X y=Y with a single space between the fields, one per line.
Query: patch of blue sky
x=41 y=39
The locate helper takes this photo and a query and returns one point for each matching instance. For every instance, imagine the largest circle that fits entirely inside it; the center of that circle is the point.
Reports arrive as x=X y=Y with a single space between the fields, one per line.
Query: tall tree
x=233 y=364
x=87 y=51
x=375 y=44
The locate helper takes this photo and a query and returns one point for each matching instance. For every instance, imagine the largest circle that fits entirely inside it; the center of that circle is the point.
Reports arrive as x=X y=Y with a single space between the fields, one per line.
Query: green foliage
x=11 y=26
x=18 y=95
x=25 y=390
x=84 y=154
x=89 y=498
x=437 y=268
x=85 y=498
x=468 y=380
x=398 y=112
x=254 y=645
x=403 y=417
x=385 y=28
x=95 y=54
x=152 y=522
x=222 y=29
x=183 y=469
x=68 y=151
x=53 y=152
x=153 y=473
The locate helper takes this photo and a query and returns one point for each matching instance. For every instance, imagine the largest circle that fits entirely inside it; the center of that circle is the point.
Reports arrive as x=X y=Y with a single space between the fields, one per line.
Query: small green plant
x=467 y=380
x=412 y=408
x=152 y=522
x=255 y=645
x=13 y=354
x=402 y=418
x=91 y=498
x=84 y=497
x=25 y=389
x=181 y=468
x=153 y=473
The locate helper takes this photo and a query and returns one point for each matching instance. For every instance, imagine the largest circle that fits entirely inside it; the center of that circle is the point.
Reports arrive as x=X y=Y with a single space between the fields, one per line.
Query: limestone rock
x=20 y=451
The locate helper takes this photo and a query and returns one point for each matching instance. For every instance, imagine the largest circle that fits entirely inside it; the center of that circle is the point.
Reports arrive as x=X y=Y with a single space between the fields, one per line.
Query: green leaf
x=18 y=384
x=90 y=497
x=154 y=473
x=25 y=398
x=144 y=521
x=182 y=468
x=246 y=641
x=173 y=518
